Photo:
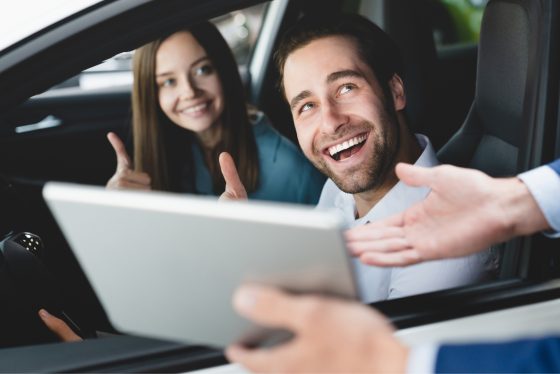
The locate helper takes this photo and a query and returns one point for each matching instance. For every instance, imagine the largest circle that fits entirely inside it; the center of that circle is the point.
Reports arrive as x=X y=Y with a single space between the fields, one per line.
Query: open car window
x=29 y=16
x=66 y=142
x=240 y=29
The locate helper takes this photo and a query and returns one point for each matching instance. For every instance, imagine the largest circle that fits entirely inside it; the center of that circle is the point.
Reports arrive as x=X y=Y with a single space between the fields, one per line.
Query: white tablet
x=165 y=265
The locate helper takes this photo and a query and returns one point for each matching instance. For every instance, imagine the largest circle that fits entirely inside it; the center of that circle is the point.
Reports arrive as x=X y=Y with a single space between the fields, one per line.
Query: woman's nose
x=188 y=89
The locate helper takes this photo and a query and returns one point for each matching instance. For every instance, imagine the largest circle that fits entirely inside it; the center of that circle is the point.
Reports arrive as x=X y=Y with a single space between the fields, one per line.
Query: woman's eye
x=167 y=83
x=204 y=70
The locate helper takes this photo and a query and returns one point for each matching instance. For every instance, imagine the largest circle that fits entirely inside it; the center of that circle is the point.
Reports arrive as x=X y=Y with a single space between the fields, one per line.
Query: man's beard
x=372 y=173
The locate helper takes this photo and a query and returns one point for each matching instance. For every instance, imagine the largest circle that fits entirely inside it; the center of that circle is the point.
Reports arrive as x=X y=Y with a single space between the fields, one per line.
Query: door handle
x=48 y=122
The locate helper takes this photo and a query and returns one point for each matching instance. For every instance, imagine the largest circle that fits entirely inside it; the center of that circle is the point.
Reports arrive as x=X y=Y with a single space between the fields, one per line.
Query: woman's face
x=189 y=89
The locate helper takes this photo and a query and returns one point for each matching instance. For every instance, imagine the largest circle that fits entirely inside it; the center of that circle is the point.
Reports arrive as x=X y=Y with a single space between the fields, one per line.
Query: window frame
x=139 y=354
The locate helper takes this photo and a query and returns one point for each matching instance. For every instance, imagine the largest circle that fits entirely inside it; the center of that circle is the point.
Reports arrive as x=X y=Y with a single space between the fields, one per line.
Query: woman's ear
x=397 y=89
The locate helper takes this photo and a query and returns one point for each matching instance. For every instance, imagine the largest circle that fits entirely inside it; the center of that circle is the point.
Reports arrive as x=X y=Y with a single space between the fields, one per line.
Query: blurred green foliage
x=467 y=16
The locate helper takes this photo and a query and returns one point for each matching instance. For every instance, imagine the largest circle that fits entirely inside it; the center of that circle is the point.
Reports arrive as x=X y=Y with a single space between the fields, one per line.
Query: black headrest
x=493 y=131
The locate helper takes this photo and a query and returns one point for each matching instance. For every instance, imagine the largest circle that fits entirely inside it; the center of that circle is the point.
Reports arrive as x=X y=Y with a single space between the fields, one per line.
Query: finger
x=371 y=233
x=262 y=305
x=381 y=239
x=136 y=177
x=400 y=258
x=125 y=179
x=415 y=176
x=396 y=220
x=275 y=308
x=126 y=185
x=255 y=360
x=123 y=161
x=234 y=186
x=379 y=246
x=58 y=327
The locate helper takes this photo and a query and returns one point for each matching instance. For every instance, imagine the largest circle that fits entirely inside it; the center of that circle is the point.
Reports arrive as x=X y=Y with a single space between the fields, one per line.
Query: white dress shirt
x=544 y=185
x=381 y=283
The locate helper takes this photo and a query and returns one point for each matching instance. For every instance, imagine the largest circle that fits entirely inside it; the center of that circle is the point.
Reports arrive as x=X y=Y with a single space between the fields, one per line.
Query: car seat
x=493 y=132
x=496 y=134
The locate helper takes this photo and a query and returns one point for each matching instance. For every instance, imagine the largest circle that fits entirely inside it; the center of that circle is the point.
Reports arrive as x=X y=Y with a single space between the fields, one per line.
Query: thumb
x=58 y=327
x=123 y=161
x=234 y=186
x=415 y=176
x=267 y=306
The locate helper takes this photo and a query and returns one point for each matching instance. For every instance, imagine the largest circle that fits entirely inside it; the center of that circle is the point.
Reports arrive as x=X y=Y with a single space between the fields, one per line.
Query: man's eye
x=204 y=70
x=305 y=107
x=346 y=88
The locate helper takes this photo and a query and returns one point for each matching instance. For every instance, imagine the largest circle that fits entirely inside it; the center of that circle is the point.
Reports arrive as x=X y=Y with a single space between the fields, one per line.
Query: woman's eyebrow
x=198 y=61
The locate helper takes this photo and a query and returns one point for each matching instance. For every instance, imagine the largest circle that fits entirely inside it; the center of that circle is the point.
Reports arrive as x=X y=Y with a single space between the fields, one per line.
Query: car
x=493 y=106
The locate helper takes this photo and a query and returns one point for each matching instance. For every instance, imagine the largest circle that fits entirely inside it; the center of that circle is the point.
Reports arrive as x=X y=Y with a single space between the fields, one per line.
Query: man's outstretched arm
x=466 y=211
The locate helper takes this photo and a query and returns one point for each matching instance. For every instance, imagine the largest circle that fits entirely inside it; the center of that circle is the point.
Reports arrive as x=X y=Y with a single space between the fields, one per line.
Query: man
x=341 y=76
x=468 y=211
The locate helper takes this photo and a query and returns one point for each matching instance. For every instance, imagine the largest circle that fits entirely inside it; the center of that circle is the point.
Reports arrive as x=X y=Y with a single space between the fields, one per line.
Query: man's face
x=341 y=117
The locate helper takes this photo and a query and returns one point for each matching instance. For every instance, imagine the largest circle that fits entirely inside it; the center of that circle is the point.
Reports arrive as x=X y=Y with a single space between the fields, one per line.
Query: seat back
x=493 y=132
x=496 y=134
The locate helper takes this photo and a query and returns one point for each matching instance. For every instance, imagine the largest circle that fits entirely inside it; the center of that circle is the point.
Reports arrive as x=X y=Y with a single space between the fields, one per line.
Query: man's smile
x=346 y=148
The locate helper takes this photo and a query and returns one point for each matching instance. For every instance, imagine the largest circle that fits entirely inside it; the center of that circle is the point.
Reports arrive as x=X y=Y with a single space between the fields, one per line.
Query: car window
x=65 y=140
x=240 y=28
x=457 y=21
x=25 y=17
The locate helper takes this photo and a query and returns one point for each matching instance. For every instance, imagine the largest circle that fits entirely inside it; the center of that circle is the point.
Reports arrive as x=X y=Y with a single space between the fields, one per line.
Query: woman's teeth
x=196 y=108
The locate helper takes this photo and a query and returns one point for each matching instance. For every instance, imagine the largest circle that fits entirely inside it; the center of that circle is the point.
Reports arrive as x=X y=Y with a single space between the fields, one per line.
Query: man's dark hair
x=375 y=47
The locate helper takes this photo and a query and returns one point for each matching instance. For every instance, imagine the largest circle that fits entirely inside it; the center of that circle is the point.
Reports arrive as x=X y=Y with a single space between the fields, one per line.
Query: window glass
x=457 y=21
x=19 y=19
x=240 y=29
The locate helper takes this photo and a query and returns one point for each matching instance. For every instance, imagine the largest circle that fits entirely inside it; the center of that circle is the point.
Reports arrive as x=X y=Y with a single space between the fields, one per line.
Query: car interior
x=492 y=136
x=490 y=104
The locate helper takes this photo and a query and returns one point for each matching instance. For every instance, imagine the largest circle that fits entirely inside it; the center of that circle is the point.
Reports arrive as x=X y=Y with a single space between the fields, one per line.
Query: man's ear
x=397 y=89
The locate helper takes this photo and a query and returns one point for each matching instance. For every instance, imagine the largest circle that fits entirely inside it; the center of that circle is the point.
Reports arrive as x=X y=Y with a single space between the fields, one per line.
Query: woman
x=188 y=107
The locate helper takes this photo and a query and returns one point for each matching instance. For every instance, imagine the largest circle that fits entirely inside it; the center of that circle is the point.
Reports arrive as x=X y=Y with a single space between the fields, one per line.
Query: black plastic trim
x=110 y=354
x=467 y=301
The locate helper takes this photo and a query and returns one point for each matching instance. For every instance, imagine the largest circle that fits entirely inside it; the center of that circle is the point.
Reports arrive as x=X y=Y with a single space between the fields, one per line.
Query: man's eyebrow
x=344 y=74
x=330 y=78
x=299 y=97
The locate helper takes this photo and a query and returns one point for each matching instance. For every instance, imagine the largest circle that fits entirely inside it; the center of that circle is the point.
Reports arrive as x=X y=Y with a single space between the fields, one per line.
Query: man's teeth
x=195 y=108
x=347 y=144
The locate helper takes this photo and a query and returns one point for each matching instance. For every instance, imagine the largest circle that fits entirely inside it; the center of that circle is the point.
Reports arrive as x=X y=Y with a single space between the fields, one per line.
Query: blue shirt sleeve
x=555 y=165
x=522 y=356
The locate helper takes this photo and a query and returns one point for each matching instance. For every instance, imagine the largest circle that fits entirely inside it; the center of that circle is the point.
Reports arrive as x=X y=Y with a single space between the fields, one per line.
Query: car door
x=117 y=26
x=54 y=130
x=61 y=135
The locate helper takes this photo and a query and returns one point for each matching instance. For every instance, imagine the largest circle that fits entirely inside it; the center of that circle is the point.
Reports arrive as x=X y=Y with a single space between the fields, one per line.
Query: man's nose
x=333 y=117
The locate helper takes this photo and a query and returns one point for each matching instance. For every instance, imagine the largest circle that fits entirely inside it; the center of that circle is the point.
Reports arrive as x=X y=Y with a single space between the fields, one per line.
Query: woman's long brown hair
x=162 y=148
